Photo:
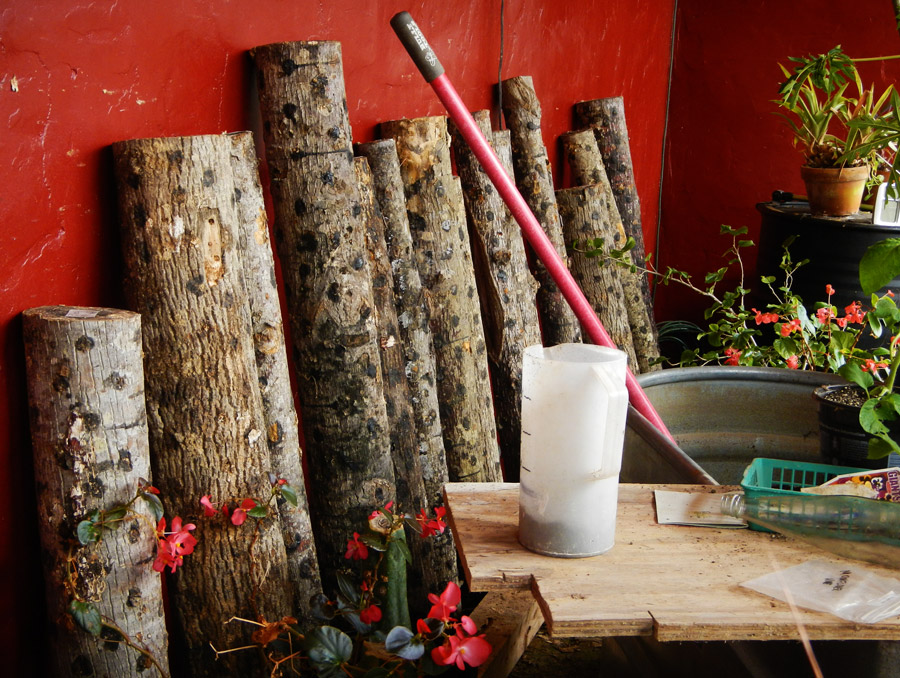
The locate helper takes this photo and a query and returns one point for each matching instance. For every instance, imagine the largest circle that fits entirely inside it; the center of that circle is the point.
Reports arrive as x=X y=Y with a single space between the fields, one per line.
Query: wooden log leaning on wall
x=91 y=453
x=437 y=221
x=584 y=214
x=607 y=118
x=282 y=433
x=416 y=344
x=586 y=163
x=534 y=178
x=506 y=286
x=206 y=419
x=432 y=565
x=320 y=235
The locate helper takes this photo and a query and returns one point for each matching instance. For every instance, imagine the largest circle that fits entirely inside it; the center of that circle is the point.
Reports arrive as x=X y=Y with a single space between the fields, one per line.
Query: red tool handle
x=426 y=61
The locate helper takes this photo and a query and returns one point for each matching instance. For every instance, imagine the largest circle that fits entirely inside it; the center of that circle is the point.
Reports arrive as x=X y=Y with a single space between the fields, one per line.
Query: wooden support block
x=509 y=620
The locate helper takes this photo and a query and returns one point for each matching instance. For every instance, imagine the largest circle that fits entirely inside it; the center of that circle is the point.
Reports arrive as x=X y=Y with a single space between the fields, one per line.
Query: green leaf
x=881 y=447
x=347 y=588
x=327 y=649
x=114 y=515
x=401 y=546
x=870 y=418
x=374 y=541
x=289 y=494
x=88 y=532
x=87 y=616
x=258 y=511
x=879 y=265
x=853 y=372
x=154 y=504
x=402 y=642
x=322 y=608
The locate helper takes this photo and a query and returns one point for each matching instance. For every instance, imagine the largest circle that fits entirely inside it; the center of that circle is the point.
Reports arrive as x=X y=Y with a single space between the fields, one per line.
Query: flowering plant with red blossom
x=366 y=627
x=791 y=334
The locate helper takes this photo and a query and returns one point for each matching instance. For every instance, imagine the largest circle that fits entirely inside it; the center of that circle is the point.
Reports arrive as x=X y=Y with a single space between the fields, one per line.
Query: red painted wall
x=78 y=76
x=726 y=151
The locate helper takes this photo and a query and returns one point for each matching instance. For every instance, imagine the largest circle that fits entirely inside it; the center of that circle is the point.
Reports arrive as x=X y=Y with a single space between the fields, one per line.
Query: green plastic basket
x=775 y=476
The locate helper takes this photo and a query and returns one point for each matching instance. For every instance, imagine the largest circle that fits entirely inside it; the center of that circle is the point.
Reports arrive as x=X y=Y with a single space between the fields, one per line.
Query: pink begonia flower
x=442 y=606
x=468 y=625
x=239 y=515
x=356 y=550
x=370 y=615
x=173 y=545
x=793 y=362
x=208 y=509
x=871 y=366
x=462 y=650
x=824 y=315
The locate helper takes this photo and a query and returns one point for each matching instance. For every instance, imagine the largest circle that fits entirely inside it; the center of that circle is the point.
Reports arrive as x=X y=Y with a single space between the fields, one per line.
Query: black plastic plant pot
x=842 y=440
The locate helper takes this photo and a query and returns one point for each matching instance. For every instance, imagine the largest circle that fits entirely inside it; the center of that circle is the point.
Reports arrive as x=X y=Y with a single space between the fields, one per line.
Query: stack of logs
x=410 y=298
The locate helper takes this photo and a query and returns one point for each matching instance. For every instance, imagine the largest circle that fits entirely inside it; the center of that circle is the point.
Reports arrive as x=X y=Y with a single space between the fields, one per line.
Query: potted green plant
x=787 y=333
x=837 y=123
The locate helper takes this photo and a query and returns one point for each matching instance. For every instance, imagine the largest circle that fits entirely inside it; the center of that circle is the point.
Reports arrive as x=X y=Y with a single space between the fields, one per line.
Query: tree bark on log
x=534 y=178
x=91 y=452
x=506 y=286
x=320 y=235
x=444 y=258
x=206 y=420
x=585 y=215
x=607 y=118
x=273 y=372
x=586 y=163
x=428 y=563
x=416 y=345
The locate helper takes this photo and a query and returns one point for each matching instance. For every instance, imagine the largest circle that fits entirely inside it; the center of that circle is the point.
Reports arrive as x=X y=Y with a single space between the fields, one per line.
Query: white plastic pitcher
x=574 y=405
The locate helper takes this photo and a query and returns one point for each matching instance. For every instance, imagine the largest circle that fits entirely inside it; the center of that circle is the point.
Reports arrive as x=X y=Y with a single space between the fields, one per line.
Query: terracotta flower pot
x=836 y=191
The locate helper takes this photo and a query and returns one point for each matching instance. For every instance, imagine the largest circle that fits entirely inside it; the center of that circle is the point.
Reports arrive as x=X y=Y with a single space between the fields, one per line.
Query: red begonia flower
x=732 y=356
x=829 y=290
x=370 y=615
x=356 y=550
x=793 y=362
x=239 y=515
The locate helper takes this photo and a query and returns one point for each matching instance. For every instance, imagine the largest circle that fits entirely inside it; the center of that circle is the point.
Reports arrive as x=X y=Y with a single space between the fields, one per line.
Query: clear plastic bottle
x=852 y=527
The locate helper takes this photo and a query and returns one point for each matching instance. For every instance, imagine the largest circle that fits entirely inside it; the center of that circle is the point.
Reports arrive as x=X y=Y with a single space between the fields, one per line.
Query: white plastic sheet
x=847 y=590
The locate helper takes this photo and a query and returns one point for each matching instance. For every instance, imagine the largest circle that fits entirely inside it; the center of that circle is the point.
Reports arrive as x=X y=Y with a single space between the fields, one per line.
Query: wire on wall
x=662 y=169
x=500 y=71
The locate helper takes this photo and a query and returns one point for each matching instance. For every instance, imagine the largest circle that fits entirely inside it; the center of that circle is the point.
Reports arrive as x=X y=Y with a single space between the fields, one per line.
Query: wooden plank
x=673 y=582
x=509 y=620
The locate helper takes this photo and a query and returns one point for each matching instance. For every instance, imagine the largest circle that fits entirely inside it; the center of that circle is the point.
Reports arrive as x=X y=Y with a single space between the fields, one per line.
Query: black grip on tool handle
x=417 y=46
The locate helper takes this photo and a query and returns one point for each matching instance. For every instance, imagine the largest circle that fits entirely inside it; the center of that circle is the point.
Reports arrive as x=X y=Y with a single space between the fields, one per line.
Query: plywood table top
x=671 y=581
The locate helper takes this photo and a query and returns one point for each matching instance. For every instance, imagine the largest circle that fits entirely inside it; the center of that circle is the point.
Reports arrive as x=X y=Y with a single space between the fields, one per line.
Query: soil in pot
x=842 y=440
